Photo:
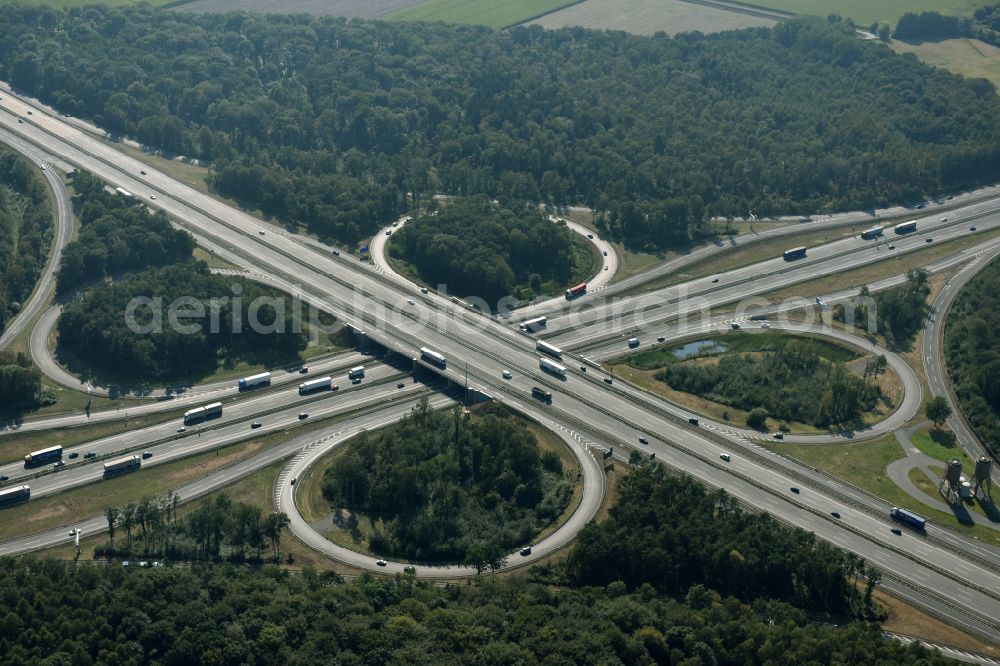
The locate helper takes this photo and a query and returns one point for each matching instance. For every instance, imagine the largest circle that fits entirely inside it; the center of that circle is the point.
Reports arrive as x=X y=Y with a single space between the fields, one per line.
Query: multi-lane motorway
x=952 y=579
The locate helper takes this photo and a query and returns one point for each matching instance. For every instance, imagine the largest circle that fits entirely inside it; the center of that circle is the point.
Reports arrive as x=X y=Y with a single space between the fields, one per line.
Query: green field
x=481 y=12
x=864 y=13
x=968 y=57
x=83 y=3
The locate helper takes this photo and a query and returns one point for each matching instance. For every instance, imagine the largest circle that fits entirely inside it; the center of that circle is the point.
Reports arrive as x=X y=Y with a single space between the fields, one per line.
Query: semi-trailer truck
x=795 y=253
x=533 y=325
x=12 y=496
x=203 y=413
x=906 y=227
x=43 y=456
x=546 y=348
x=122 y=466
x=551 y=366
x=908 y=517
x=577 y=291
x=874 y=232
x=356 y=373
x=433 y=357
x=260 y=379
x=321 y=384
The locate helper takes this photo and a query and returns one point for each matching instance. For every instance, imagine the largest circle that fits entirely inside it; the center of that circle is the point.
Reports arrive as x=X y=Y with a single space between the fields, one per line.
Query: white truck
x=433 y=357
x=551 y=366
x=260 y=379
x=122 y=465
x=203 y=413
x=322 y=383
x=533 y=325
x=546 y=348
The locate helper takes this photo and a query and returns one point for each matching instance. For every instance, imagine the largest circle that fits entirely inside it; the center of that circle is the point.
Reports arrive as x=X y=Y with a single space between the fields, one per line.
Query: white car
x=765 y=325
x=507 y=374
x=410 y=301
x=152 y=196
x=725 y=456
x=261 y=232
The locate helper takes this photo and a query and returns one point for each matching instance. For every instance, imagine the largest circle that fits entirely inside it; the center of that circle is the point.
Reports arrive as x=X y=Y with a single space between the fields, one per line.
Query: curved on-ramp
x=63 y=234
x=284 y=495
x=608 y=269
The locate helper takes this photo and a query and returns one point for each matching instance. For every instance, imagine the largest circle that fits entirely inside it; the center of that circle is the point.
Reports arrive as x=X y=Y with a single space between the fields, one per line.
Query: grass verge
x=863 y=464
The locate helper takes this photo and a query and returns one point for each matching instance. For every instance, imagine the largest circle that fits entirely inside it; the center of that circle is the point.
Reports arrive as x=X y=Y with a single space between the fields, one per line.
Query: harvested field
x=367 y=9
x=480 y=12
x=644 y=17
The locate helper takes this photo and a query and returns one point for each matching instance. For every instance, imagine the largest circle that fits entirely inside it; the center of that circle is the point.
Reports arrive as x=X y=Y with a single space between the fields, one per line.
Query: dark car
x=400 y=385
x=928 y=240
x=303 y=370
x=303 y=415
x=590 y=236
x=794 y=489
x=778 y=435
x=381 y=563
x=735 y=326
x=143 y=172
x=835 y=514
x=74 y=455
x=972 y=228
x=693 y=421
x=660 y=339
x=714 y=280
x=3 y=477
x=608 y=380
x=336 y=253
x=409 y=570
x=90 y=454
x=147 y=455
x=643 y=440
x=255 y=425
x=526 y=551
x=896 y=531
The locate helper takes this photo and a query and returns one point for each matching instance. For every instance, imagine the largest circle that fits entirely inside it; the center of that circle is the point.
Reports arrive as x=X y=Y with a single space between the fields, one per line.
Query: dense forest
x=672 y=533
x=339 y=125
x=793 y=383
x=657 y=583
x=972 y=351
x=219 y=529
x=932 y=26
x=479 y=248
x=25 y=231
x=897 y=314
x=95 y=328
x=117 y=234
x=447 y=487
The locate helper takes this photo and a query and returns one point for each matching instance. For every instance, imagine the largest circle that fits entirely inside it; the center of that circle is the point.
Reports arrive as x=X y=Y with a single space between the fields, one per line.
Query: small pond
x=698 y=347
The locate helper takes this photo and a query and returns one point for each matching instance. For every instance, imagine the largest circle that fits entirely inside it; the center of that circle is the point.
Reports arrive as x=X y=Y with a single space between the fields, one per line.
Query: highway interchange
x=952 y=577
